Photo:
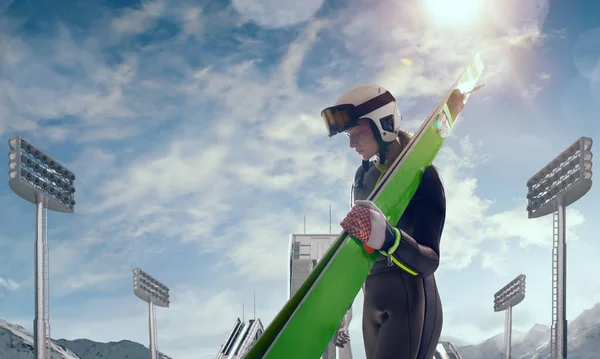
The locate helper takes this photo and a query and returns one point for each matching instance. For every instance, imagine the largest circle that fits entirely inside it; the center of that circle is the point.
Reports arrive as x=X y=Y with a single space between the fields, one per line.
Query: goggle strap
x=373 y=104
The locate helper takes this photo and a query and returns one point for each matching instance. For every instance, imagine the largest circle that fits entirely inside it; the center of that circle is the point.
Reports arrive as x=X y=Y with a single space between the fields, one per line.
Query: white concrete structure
x=305 y=252
x=241 y=339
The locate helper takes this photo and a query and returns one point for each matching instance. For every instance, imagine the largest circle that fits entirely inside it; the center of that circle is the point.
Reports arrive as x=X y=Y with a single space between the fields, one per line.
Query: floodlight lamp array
x=33 y=173
x=511 y=294
x=544 y=176
x=586 y=157
x=148 y=288
x=569 y=174
x=513 y=301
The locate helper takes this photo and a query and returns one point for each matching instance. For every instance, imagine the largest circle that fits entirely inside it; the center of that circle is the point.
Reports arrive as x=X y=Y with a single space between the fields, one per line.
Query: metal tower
x=560 y=183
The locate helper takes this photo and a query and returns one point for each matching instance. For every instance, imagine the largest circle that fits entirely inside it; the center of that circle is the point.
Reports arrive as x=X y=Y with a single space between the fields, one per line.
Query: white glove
x=366 y=223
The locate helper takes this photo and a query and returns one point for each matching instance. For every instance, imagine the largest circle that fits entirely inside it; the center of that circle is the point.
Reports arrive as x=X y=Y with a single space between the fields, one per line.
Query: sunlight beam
x=453 y=12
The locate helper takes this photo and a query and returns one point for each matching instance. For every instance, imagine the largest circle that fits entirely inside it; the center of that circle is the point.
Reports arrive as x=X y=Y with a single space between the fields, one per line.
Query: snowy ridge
x=583 y=341
x=17 y=343
x=124 y=349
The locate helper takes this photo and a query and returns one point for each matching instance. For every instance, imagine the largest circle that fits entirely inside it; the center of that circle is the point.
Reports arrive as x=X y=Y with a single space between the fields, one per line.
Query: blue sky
x=193 y=128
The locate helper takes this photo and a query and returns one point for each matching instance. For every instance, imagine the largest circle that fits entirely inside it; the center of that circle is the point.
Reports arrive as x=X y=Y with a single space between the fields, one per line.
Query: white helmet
x=370 y=102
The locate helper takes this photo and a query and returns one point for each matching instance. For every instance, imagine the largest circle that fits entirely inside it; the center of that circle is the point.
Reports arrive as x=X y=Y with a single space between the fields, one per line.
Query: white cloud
x=181 y=171
x=156 y=8
x=586 y=55
x=137 y=21
x=9 y=284
x=192 y=22
x=5 y=4
x=465 y=211
x=534 y=88
x=36 y=92
x=470 y=222
x=290 y=65
x=414 y=59
x=273 y=13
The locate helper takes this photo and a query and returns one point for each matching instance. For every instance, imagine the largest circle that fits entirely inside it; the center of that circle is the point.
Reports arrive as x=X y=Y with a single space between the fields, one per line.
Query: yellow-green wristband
x=395 y=245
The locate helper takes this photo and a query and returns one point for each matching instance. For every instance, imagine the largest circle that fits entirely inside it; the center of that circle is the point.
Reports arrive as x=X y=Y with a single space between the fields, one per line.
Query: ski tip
x=476 y=88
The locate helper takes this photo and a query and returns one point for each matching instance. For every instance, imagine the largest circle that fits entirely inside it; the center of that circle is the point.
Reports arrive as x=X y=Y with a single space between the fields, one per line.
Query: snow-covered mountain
x=124 y=349
x=17 y=343
x=492 y=348
x=583 y=341
x=459 y=342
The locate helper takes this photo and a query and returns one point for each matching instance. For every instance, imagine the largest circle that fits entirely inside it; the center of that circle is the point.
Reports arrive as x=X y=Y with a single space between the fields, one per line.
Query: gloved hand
x=368 y=224
x=342 y=337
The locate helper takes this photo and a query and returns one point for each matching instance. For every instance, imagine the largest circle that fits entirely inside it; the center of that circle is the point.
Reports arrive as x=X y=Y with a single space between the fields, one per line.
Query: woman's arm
x=418 y=254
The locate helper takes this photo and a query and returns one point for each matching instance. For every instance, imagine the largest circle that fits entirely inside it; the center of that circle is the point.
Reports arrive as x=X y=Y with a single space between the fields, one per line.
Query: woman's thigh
x=393 y=315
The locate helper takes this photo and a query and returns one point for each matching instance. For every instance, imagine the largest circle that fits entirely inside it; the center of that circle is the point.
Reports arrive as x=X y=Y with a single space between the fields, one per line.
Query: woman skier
x=402 y=312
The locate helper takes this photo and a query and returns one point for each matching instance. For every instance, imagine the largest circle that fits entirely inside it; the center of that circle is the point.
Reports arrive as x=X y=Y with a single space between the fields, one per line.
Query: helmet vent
x=387 y=123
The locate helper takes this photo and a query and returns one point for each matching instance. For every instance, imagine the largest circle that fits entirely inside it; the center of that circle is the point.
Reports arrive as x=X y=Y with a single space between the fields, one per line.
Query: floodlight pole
x=561 y=283
x=152 y=333
x=508 y=331
x=39 y=323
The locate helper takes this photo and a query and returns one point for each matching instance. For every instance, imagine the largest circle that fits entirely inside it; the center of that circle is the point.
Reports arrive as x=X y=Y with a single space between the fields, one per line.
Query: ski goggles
x=341 y=118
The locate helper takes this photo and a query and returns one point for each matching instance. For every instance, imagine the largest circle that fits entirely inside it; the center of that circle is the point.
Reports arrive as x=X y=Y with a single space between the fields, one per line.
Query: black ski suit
x=402 y=312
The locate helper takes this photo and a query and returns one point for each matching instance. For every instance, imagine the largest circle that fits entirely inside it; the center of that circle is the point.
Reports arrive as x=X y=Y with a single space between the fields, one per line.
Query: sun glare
x=453 y=12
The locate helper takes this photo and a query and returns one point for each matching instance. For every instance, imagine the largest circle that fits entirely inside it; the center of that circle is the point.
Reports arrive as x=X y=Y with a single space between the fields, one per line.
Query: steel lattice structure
x=560 y=183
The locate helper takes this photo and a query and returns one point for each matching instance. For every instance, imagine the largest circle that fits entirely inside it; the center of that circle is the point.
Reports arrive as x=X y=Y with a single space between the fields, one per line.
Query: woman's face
x=362 y=140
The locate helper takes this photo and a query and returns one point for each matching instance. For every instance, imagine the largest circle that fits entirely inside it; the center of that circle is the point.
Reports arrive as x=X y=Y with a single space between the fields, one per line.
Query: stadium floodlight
x=510 y=295
x=504 y=300
x=568 y=177
x=43 y=181
x=560 y=183
x=154 y=293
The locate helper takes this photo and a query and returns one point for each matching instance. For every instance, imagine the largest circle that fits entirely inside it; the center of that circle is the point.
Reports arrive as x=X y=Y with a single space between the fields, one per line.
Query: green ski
x=307 y=322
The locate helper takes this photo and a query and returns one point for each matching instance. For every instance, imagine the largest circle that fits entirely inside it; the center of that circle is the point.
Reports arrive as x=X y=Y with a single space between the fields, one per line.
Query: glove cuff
x=392 y=239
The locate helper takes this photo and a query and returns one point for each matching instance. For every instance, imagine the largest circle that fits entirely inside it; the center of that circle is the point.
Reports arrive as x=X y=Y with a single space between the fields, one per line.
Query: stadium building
x=241 y=338
x=305 y=252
